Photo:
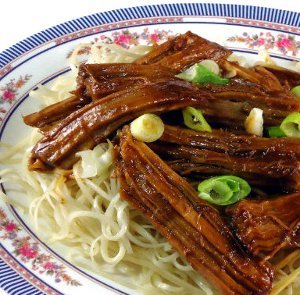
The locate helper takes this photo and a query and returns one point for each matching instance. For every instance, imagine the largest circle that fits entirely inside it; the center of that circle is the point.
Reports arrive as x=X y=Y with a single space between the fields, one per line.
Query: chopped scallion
x=223 y=190
x=194 y=119
x=296 y=91
x=147 y=128
x=200 y=74
x=291 y=125
x=275 y=131
x=211 y=65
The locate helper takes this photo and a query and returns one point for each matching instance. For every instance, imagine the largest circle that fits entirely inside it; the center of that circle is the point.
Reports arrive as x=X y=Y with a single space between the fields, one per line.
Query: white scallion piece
x=211 y=65
x=147 y=128
x=254 y=122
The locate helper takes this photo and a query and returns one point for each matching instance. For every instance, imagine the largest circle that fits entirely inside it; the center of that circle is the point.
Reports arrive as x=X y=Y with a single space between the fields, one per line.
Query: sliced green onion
x=223 y=190
x=296 y=91
x=194 y=119
x=147 y=128
x=275 y=131
x=210 y=65
x=200 y=74
x=291 y=125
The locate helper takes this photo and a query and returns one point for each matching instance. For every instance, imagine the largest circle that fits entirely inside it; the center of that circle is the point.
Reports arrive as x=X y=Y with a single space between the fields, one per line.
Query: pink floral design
x=10 y=89
x=29 y=252
x=8 y=95
x=154 y=37
x=49 y=265
x=123 y=39
x=127 y=39
x=10 y=227
x=286 y=44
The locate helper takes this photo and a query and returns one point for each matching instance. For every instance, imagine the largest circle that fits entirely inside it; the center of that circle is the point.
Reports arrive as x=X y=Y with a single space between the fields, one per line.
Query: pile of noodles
x=82 y=209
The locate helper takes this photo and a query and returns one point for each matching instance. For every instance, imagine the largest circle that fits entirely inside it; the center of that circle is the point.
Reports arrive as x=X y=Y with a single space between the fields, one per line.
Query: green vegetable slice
x=194 y=119
x=296 y=91
x=275 y=131
x=223 y=190
x=291 y=125
x=200 y=74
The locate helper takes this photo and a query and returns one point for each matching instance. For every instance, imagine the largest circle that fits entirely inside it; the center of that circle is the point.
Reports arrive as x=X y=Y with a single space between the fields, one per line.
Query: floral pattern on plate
x=29 y=252
x=127 y=39
x=9 y=93
x=284 y=43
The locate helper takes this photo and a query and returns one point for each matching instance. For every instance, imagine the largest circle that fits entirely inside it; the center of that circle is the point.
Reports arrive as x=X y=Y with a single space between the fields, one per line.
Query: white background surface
x=20 y=19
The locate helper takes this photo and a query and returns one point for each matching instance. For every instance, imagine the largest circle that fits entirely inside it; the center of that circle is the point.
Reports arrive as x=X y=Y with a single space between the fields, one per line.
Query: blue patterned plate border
x=184 y=9
x=10 y=281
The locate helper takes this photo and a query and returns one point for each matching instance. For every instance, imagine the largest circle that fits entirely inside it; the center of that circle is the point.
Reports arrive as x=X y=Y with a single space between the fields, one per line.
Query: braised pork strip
x=184 y=51
x=288 y=78
x=265 y=162
x=257 y=75
x=256 y=87
x=96 y=121
x=95 y=81
x=193 y=227
x=234 y=101
x=99 y=80
x=267 y=226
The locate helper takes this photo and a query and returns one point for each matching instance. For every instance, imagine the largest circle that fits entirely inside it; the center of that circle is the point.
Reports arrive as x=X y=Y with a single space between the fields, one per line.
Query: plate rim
x=284 y=17
x=258 y=13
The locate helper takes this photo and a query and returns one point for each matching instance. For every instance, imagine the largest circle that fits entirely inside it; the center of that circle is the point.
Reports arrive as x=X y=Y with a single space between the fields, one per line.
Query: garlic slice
x=254 y=122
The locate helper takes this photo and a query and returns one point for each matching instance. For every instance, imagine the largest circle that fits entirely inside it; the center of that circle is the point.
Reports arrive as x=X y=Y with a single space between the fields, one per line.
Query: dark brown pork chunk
x=287 y=78
x=271 y=163
x=96 y=81
x=99 y=80
x=267 y=226
x=234 y=101
x=183 y=51
x=193 y=227
x=94 y=122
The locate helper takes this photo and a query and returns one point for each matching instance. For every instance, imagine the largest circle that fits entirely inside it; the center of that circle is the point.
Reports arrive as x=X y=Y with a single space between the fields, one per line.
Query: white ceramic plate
x=27 y=265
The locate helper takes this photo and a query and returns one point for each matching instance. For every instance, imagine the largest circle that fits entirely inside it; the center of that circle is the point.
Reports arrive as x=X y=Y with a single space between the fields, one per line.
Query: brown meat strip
x=234 y=101
x=267 y=226
x=96 y=81
x=266 y=162
x=193 y=227
x=99 y=80
x=184 y=51
x=96 y=121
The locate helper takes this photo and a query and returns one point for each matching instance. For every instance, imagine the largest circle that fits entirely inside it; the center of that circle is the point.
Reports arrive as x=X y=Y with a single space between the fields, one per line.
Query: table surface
x=21 y=19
